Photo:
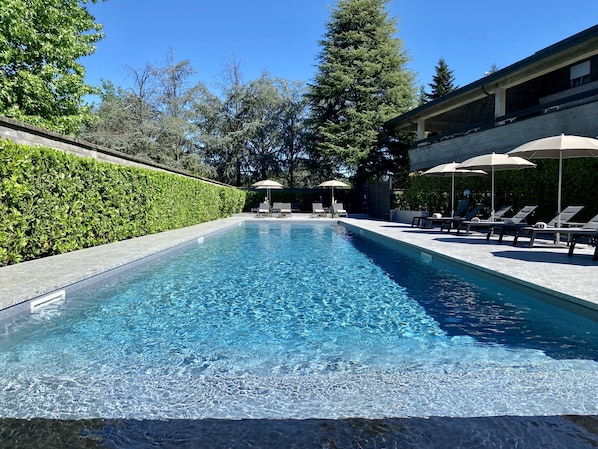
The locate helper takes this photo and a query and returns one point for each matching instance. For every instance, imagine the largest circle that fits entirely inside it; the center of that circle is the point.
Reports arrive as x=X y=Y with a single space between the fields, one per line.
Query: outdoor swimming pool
x=278 y=320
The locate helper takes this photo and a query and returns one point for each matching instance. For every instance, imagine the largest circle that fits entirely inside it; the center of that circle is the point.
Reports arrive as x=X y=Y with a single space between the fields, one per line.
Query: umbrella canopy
x=451 y=170
x=267 y=184
x=333 y=183
x=495 y=162
x=558 y=147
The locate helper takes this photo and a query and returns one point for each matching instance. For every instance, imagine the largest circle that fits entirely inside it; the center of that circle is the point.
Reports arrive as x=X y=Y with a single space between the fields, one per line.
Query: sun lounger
x=565 y=218
x=500 y=213
x=282 y=209
x=339 y=209
x=591 y=235
x=418 y=220
x=498 y=216
x=318 y=210
x=589 y=228
x=507 y=225
x=451 y=222
x=263 y=209
x=422 y=220
x=454 y=223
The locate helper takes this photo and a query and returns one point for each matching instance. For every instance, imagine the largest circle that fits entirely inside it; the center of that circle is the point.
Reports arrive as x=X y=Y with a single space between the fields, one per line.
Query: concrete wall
x=406 y=216
x=579 y=120
x=25 y=134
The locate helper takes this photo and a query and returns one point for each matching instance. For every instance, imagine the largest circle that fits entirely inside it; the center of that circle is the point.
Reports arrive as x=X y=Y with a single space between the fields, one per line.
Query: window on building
x=579 y=74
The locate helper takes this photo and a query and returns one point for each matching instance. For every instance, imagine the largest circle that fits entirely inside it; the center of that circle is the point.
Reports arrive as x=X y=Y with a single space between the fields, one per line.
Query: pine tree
x=443 y=82
x=361 y=82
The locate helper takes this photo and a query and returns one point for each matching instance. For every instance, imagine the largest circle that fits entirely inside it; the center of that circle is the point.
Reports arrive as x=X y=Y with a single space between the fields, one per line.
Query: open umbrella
x=558 y=147
x=495 y=162
x=333 y=183
x=267 y=184
x=450 y=169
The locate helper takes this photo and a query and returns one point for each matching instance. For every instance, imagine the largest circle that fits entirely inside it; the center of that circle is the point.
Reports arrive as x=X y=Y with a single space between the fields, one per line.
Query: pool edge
x=563 y=300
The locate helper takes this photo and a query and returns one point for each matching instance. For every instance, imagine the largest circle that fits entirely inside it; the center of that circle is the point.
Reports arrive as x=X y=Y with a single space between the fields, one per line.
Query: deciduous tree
x=41 y=80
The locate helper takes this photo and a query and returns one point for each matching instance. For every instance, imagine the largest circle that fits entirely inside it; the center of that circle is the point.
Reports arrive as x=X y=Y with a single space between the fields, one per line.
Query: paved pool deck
x=546 y=268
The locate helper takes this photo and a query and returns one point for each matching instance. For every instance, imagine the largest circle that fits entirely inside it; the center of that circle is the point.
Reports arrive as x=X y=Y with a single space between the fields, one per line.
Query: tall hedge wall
x=536 y=186
x=52 y=202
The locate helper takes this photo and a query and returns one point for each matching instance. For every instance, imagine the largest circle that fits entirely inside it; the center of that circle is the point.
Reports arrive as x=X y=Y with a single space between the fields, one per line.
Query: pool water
x=292 y=321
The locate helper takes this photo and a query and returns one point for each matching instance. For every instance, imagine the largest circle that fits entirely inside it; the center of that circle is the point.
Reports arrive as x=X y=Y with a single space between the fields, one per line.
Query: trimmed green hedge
x=537 y=186
x=52 y=202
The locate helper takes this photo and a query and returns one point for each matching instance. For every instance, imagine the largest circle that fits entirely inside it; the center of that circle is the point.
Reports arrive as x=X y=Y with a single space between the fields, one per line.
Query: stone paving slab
x=545 y=267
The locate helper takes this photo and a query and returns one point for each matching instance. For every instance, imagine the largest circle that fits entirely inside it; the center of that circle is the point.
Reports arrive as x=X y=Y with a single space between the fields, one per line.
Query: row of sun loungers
x=280 y=209
x=451 y=222
x=497 y=223
x=286 y=210
x=336 y=210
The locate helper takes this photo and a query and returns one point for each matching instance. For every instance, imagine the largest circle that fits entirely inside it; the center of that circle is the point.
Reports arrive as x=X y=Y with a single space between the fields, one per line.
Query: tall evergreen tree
x=361 y=82
x=442 y=83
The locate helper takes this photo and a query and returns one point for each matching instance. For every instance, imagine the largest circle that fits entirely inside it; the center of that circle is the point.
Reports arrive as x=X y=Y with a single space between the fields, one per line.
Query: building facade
x=554 y=91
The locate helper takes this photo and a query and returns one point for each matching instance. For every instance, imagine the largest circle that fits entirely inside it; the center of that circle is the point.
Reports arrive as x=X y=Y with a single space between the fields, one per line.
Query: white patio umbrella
x=267 y=184
x=558 y=147
x=450 y=169
x=333 y=183
x=495 y=162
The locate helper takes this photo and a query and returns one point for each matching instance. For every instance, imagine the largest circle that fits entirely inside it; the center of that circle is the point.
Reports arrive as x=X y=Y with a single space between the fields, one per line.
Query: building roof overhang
x=566 y=52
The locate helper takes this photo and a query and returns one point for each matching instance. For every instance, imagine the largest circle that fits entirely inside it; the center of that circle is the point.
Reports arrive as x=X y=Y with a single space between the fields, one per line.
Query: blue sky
x=282 y=36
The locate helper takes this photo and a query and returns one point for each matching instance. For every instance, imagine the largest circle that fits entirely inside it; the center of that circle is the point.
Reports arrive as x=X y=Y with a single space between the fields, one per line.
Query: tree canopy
x=244 y=132
x=266 y=128
x=361 y=82
x=41 y=80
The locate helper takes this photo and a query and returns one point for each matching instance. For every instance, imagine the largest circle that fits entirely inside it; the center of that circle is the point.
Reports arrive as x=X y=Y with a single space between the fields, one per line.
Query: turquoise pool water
x=283 y=321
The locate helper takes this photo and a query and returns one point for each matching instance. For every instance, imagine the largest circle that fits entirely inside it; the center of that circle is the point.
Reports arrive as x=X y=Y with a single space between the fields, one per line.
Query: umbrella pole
x=453 y=196
x=492 y=199
x=560 y=186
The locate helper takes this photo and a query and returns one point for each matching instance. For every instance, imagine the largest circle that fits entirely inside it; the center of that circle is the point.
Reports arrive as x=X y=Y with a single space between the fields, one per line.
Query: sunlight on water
x=279 y=320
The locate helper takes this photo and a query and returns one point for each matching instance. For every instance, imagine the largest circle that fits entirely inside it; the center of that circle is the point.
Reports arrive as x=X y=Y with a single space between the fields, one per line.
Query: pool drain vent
x=47 y=300
x=200 y=240
x=425 y=257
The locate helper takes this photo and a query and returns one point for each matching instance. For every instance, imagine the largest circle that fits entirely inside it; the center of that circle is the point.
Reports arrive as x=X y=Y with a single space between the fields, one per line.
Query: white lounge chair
x=263 y=209
x=318 y=210
x=282 y=209
x=338 y=209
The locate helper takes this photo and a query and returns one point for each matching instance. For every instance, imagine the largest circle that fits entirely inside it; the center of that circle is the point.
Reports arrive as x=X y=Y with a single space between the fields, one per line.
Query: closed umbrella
x=267 y=184
x=558 y=147
x=451 y=170
x=495 y=162
x=333 y=183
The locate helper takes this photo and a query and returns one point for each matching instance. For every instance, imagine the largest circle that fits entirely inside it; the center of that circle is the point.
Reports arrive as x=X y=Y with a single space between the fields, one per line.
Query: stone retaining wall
x=25 y=134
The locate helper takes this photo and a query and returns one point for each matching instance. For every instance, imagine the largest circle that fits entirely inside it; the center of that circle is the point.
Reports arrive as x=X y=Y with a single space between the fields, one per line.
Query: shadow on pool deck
x=547 y=257
x=570 y=432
